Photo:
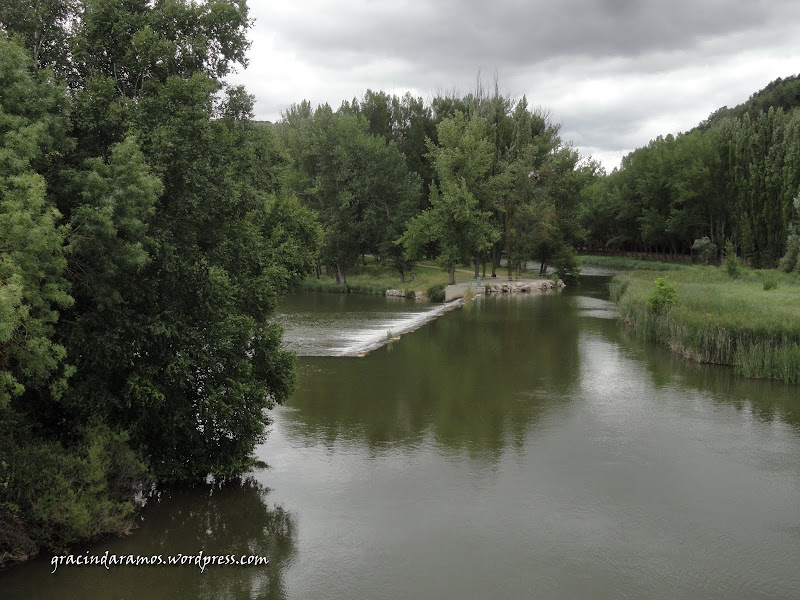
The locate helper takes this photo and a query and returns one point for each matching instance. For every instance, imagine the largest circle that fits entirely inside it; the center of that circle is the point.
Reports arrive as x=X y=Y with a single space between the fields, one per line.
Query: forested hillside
x=735 y=177
x=781 y=93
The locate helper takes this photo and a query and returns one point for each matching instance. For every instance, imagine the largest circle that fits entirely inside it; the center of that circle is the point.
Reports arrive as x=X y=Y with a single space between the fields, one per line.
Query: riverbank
x=381 y=280
x=622 y=262
x=751 y=323
x=376 y=278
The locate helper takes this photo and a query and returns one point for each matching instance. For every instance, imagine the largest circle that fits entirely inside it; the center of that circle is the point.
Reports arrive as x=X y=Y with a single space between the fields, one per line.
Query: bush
x=705 y=248
x=770 y=283
x=664 y=295
x=566 y=264
x=732 y=267
x=54 y=496
x=435 y=293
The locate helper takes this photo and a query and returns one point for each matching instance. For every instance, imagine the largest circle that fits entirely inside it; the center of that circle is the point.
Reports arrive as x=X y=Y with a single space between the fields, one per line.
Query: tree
x=459 y=218
x=357 y=182
x=43 y=27
x=32 y=284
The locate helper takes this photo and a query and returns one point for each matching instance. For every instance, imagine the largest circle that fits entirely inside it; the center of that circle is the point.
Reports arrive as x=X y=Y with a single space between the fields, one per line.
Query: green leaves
x=459 y=219
x=32 y=262
x=357 y=182
x=664 y=295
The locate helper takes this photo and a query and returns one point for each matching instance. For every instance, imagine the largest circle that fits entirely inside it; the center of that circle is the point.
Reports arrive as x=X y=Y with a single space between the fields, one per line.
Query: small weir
x=310 y=332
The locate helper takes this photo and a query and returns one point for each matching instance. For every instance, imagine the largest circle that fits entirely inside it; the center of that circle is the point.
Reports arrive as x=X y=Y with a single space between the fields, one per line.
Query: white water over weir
x=358 y=343
x=355 y=333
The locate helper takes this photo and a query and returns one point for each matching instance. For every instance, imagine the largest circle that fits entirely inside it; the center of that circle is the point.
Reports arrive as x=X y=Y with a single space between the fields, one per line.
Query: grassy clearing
x=621 y=262
x=375 y=278
x=720 y=320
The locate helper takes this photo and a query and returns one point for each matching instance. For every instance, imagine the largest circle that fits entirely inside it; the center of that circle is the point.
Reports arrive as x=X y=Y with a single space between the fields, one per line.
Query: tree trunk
x=453 y=274
x=483 y=271
x=477 y=273
x=402 y=276
x=495 y=260
x=340 y=275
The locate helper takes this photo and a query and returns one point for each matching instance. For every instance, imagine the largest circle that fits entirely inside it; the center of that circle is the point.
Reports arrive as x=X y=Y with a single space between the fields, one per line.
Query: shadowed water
x=519 y=447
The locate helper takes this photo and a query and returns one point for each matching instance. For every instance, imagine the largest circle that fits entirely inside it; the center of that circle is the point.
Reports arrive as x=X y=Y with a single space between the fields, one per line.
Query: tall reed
x=719 y=320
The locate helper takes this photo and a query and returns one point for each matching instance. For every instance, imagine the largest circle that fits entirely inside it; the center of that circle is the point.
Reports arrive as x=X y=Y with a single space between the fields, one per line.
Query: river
x=522 y=446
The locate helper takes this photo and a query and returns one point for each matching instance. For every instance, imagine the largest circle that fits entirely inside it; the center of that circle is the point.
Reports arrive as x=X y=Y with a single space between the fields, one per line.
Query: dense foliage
x=146 y=235
x=733 y=178
x=464 y=180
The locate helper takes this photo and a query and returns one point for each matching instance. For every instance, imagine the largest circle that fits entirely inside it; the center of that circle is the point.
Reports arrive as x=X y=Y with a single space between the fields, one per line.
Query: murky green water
x=522 y=447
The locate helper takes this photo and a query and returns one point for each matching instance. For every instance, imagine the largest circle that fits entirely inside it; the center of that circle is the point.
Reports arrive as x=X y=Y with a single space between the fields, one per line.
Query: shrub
x=732 y=267
x=435 y=293
x=770 y=283
x=567 y=265
x=54 y=496
x=664 y=295
x=705 y=248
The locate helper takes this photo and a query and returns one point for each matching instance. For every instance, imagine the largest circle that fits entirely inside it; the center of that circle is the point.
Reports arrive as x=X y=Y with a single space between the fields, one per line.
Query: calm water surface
x=520 y=447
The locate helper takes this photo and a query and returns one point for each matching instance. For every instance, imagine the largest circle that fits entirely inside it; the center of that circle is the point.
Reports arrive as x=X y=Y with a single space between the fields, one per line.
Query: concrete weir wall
x=451 y=292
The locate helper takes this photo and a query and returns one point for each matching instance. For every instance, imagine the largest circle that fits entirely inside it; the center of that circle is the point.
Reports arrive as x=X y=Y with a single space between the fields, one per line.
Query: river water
x=519 y=447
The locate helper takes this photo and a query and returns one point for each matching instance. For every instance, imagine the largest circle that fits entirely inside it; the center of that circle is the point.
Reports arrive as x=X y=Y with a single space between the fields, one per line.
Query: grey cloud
x=446 y=34
x=616 y=73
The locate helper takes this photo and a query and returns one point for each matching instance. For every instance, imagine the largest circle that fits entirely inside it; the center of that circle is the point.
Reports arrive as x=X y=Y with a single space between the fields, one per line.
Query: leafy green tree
x=43 y=27
x=459 y=218
x=357 y=182
x=790 y=262
x=32 y=284
x=731 y=265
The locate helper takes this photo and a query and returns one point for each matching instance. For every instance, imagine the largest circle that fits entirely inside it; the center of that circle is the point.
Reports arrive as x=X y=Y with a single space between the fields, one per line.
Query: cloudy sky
x=614 y=73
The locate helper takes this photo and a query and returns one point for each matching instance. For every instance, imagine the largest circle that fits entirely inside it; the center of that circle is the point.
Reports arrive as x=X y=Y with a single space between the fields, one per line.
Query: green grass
x=621 y=262
x=720 y=320
x=376 y=278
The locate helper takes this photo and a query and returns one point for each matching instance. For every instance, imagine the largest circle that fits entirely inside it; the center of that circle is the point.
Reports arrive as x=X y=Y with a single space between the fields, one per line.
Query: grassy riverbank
x=751 y=323
x=376 y=278
x=621 y=262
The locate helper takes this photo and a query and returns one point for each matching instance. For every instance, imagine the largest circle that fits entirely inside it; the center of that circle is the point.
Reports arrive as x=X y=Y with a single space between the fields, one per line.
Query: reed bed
x=743 y=323
x=621 y=262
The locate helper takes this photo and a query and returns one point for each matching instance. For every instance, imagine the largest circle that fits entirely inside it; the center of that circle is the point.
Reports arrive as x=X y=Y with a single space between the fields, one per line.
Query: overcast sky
x=614 y=73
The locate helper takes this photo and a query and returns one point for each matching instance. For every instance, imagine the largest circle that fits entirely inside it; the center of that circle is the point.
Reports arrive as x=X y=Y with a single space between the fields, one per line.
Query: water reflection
x=230 y=517
x=525 y=446
x=766 y=399
x=476 y=380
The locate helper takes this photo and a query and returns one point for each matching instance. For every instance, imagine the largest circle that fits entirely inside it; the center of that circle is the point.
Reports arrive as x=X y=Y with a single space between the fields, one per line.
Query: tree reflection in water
x=224 y=517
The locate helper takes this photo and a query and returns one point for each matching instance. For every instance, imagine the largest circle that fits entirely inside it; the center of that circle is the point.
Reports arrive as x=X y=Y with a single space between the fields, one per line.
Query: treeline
x=146 y=234
x=465 y=180
x=734 y=178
